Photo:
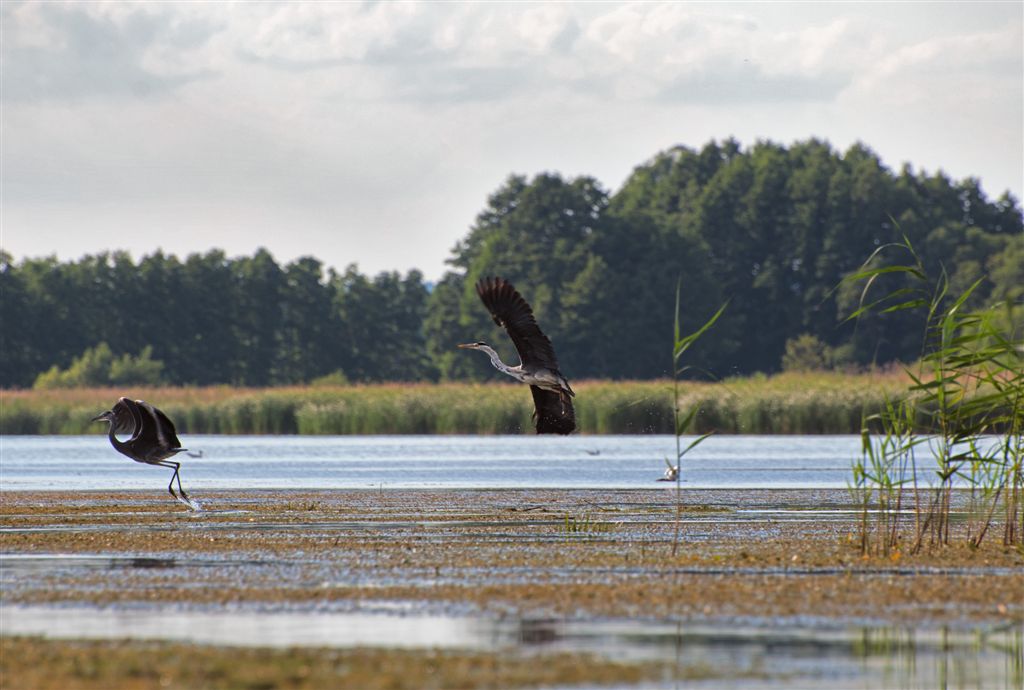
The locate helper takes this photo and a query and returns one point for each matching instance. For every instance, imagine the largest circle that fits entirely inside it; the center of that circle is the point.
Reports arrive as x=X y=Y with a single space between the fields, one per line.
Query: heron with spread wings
x=153 y=438
x=538 y=367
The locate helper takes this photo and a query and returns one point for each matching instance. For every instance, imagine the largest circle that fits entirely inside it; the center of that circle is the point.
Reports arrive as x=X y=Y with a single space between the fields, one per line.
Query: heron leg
x=170 y=487
x=177 y=475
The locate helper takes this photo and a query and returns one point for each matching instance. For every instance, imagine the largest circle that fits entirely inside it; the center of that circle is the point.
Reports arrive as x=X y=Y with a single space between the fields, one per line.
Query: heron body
x=538 y=367
x=545 y=379
x=153 y=437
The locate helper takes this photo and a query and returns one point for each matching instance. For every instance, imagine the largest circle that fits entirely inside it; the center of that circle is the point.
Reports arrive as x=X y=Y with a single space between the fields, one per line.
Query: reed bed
x=967 y=394
x=806 y=403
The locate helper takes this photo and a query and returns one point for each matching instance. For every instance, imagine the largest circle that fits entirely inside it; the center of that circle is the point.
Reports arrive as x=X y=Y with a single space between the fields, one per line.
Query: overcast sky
x=373 y=132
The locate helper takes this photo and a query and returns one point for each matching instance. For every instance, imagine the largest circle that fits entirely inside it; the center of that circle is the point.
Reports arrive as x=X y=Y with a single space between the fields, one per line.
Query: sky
x=373 y=133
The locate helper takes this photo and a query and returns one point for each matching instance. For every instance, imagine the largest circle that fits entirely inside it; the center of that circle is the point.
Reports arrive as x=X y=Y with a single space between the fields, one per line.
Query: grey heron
x=153 y=438
x=538 y=367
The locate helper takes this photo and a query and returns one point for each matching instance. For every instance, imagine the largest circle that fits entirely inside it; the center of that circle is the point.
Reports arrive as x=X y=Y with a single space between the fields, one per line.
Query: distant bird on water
x=538 y=367
x=153 y=438
x=671 y=474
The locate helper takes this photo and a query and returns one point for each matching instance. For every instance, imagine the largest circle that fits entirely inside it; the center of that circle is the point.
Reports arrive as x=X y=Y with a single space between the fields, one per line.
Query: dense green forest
x=771 y=229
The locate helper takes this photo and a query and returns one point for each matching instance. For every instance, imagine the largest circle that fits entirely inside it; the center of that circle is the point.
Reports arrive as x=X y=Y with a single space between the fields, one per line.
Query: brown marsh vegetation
x=790 y=403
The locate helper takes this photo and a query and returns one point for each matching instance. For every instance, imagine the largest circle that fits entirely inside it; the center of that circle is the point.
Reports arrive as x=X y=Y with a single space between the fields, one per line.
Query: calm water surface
x=763 y=654
x=337 y=462
x=731 y=656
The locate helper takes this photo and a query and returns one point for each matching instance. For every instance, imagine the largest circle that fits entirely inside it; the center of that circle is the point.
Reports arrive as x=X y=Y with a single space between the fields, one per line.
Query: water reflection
x=983 y=658
x=781 y=656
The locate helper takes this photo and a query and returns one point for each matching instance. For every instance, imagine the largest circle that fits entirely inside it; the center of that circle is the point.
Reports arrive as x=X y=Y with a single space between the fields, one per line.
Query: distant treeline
x=798 y=403
x=771 y=229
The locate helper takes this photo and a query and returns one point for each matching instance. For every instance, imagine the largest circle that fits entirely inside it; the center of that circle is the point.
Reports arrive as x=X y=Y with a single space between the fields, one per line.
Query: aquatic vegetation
x=682 y=418
x=790 y=403
x=327 y=552
x=102 y=665
x=964 y=405
x=586 y=524
x=880 y=477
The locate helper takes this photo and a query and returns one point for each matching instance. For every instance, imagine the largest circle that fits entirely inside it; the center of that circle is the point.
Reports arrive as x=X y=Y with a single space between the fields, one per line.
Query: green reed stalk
x=882 y=472
x=683 y=422
x=968 y=387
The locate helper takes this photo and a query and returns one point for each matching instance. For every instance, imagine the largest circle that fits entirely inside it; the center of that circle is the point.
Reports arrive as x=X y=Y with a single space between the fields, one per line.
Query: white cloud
x=314 y=33
x=977 y=61
x=69 y=51
x=347 y=125
x=675 y=53
x=546 y=28
x=414 y=51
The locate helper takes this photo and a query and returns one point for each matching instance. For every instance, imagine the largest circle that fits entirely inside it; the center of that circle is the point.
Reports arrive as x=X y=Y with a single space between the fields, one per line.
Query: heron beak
x=105 y=417
x=468 y=346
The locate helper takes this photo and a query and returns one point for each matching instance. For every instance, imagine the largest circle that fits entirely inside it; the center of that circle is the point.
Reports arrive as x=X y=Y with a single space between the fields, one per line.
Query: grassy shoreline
x=806 y=403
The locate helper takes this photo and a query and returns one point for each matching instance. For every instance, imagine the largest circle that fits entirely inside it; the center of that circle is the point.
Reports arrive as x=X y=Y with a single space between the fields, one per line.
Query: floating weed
x=585 y=524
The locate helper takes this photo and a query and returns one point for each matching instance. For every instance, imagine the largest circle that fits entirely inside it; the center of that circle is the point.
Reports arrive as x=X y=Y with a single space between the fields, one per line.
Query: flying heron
x=153 y=438
x=538 y=367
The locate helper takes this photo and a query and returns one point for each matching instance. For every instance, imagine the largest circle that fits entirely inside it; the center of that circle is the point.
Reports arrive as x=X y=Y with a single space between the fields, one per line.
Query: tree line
x=770 y=229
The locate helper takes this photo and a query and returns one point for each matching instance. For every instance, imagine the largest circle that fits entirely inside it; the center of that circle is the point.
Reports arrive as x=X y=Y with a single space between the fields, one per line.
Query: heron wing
x=163 y=429
x=553 y=413
x=510 y=311
x=127 y=418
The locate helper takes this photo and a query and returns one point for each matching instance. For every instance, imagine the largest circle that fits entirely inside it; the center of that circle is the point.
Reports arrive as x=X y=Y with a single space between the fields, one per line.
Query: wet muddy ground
x=486 y=579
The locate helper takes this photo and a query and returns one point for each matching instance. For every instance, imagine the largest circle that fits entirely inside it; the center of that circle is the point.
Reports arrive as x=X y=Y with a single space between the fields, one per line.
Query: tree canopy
x=772 y=229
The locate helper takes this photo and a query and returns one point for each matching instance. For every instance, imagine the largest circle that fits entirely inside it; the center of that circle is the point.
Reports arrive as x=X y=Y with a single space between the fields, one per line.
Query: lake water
x=764 y=653
x=732 y=656
x=353 y=462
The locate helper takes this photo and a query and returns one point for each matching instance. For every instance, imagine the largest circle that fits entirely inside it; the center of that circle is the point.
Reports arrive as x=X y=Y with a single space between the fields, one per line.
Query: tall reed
x=966 y=396
x=888 y=463
x=682 y=418
x=792 y=403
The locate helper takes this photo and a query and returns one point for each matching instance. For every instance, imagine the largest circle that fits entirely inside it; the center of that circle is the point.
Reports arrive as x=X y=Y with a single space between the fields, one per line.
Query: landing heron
x=153 y=438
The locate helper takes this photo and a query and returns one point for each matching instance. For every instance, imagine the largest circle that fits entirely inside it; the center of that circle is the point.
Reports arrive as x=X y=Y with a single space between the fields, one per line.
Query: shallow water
x=793 y=652
x=340 y=462
x=791 y=655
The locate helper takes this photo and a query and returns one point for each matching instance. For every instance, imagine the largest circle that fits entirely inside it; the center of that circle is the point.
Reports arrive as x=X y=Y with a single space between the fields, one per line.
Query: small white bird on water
x=671 y=474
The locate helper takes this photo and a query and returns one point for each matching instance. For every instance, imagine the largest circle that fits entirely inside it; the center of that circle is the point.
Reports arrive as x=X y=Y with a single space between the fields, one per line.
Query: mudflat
x=716 y=557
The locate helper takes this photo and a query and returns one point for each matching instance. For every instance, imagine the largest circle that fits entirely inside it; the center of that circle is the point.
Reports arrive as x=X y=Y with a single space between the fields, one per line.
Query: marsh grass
x=791 y=403
x=586 y=524
x=964 y=404
x=888 y=464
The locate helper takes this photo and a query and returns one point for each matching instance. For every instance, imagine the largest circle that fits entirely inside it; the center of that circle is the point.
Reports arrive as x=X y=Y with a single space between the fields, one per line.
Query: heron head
x=107 y=416
x=120 y=415
x=474 y=346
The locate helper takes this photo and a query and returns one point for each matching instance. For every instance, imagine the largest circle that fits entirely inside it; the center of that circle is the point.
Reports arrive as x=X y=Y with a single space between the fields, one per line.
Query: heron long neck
x=514 y=372
x=118 y=444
